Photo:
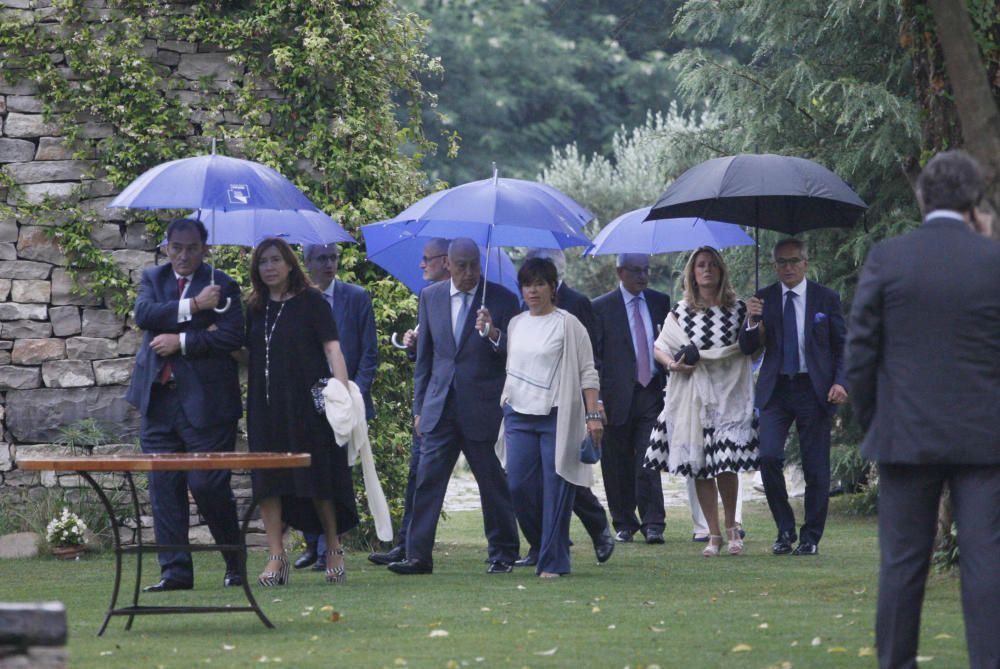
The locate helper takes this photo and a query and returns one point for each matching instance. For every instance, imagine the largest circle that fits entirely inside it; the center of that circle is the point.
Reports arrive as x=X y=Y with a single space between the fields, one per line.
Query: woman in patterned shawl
x=707 y=430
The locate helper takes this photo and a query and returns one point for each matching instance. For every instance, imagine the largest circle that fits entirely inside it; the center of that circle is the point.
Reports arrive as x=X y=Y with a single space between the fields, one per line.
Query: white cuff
x=184 y=311
x=183 y=338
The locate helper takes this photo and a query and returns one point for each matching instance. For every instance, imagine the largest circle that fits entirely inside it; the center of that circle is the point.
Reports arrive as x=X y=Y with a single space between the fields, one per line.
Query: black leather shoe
x=806 y=548
x=654 y=537
x=307 y=558
x=232 y=580
x=411 y=566
x=699 y=538
x=320 y=564
x=397 y=554
x=624 y=536
x=500 y=567
x=166 y=584
x=783 y=544
x=743 y=533
x=604 y=546
x=528 y=560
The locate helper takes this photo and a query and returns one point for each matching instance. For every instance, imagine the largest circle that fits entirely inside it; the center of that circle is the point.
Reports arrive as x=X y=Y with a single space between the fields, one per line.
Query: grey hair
x=439 y=244
x=951 y=180
x=622 y=259
x=309 y=249
x=557 y=257
x=800 y=245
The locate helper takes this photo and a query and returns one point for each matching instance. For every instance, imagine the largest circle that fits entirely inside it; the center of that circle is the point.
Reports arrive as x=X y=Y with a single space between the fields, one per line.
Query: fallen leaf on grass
x=275 y=600
x=741 y=648
x=485 y=608
x=314 y=637
x=611 y=627
x=653 y=628
x=924 y=658
x=435 y=633
x=226 y=646
x=326 y=608
x=763 y=626
x=794 y=644
x=861 y=591
x=334 y=617
x=399 y=662
x=649 y=603
x=836 y=649
x=107 y=652
x=943 y=635
x=866 y=651
x=596 y=609
x=550 y=651
x=816 y=641
x=521 y=587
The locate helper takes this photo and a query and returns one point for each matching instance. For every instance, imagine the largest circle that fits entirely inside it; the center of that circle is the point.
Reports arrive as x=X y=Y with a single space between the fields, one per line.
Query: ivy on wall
x=326 y=92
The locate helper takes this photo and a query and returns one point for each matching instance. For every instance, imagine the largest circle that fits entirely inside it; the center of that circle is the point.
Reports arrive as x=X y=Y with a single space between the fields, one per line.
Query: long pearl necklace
x=268 y=334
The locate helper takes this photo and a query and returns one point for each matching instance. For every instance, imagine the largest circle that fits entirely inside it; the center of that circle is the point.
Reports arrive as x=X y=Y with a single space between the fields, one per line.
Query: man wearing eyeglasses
x=352 y=310
x=628 y=319
x=800 y=324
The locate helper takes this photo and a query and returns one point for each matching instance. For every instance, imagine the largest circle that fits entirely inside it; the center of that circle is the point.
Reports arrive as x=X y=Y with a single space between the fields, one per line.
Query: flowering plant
x=66 y=529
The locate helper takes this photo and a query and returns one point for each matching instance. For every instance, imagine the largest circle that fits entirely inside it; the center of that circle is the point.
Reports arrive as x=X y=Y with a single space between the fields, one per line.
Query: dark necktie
x=790 y=337
x=167 y=370
x=643 y=375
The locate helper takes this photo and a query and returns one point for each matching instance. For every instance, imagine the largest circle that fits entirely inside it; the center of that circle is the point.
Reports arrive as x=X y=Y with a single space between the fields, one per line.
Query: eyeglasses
x=425 y=260
x=636 y=270
x=787 y=262
x=322 y=260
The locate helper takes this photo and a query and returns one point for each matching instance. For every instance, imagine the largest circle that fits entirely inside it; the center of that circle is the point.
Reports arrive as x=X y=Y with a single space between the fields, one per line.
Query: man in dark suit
x=355 y=318
x=456 y=407
x=586 y=506
x=628 y=320
x=801 y=326
x=186 y=388
x=924 y=367
x=434 y=264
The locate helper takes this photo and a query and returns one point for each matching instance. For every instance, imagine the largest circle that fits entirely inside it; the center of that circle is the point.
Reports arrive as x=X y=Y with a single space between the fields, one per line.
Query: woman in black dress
x=292 y=339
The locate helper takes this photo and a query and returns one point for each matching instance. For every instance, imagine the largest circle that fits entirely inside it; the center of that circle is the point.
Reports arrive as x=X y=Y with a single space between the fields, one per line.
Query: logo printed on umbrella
x=238 y=193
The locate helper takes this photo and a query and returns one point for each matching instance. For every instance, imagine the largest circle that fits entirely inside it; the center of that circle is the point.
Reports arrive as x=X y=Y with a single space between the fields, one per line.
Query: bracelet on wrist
x=594 y=415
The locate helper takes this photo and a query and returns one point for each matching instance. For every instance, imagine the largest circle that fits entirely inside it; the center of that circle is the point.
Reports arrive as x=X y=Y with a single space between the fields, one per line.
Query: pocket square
x=819 y=317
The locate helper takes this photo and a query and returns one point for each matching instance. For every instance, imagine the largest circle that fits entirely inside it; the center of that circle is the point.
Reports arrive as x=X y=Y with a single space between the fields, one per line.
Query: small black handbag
x=689 y=355
x=589 y=454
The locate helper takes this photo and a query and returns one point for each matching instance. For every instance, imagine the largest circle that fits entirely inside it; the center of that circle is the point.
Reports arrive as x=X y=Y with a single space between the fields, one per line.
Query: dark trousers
x=907 y=523
x=411 y=491
x=165 y=429
x=439 y=452
x=543 y=500
x=795 y=400
x=591 y=513
x=628 y=484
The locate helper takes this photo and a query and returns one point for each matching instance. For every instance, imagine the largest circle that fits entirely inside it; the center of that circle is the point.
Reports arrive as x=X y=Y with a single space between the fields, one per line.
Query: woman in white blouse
x=550 y=403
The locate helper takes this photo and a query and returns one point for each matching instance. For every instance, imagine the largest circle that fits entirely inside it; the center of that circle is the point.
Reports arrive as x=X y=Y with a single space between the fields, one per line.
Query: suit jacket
x=924 y=347
x=824 y=333
x=477 y=369
x=205 y=373
x=579 y=305
x=614 y=352
x=352 y=310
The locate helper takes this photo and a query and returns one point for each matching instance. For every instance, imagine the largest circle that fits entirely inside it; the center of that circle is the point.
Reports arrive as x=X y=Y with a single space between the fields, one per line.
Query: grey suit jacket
x=923 y=347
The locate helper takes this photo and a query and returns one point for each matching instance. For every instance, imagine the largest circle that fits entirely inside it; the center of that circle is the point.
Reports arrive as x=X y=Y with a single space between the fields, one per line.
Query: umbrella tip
x=213 y=146
x=496 y=173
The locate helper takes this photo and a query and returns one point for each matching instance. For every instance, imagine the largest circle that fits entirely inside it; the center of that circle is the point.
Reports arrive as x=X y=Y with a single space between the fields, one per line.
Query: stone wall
x=64 y=356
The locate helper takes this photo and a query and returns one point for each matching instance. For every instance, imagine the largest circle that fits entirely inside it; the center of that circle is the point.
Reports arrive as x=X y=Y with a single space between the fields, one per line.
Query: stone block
x=24 y=269
x=6 y=457
x=129 y=343
x=8 y=230
x=5 y=285
x=55 y=148
x=67 y=374
x=29 y=126
x=18 y=545
x=178 y=46
x=216 y=66
x=167 y=57
x=107 y=236
x=66 y=290
x=90 y=348
x=102 y=323
x=30 y=290
x=65 y=322
x=136 y=237
x=30 y=104
x=99 y=206
x=131 y=259
x=35 y=243
x=101 y=188
x=16 y=150
x=37 y=351
x=33 y=624
x=8 y=251
x=19 y=378
x=36 y=193
x=96 y=130
x=5 y=356
x=25 y=330
x=111 y=372
x=49 y=170
x=37 y=416
x=12 y=311
x=22 y=87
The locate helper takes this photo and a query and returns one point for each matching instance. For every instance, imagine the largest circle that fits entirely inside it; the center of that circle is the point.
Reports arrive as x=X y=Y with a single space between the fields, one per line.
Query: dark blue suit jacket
x=614 y=352
x=352 y=310
x=476 y=368
x=206 y=374
x=825 y=334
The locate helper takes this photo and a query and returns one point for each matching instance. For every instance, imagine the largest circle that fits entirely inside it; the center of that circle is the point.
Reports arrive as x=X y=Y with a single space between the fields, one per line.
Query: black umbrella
x=767 y=191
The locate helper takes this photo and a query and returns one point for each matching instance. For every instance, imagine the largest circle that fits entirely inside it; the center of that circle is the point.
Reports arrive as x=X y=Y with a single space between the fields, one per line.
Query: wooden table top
x=161 y=462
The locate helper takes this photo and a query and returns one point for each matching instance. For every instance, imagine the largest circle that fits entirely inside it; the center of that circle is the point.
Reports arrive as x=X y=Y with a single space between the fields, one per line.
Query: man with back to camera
x=801 y=380
x=924 y=366
x=352 y=310
x=628 y=321
x=186 y=388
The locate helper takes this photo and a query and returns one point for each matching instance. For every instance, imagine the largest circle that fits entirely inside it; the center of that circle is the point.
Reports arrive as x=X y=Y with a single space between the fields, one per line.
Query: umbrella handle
x=396 y=343
x=229 y=301
x=485 y=332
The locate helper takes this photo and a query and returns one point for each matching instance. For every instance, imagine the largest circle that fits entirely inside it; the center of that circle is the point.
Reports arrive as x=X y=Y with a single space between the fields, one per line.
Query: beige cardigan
x=576 y=373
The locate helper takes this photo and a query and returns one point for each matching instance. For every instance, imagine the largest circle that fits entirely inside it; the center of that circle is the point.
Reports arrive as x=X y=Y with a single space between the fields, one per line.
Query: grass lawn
x=648 y=606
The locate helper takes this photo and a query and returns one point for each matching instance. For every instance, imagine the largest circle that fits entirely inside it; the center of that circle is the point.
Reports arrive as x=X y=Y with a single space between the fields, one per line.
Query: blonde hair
x=727 y=296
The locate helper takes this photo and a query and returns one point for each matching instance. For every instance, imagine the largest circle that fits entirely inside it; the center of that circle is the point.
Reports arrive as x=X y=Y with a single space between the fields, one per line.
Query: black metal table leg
x=113 y=519
x=139 y=553
x=242 y=559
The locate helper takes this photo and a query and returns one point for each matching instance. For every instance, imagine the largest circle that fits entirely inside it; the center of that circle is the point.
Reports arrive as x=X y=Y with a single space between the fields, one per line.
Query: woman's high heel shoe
x=271 y=578
x=735 y=542
x=714 y=546
x=335 y=574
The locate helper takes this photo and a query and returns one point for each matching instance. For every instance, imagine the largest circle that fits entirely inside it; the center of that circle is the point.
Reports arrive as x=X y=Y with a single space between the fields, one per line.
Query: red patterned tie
x=167 y=371
x=643 y=374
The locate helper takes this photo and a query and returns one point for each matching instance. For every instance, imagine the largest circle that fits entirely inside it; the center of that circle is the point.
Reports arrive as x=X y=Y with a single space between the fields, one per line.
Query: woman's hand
x=675 y=366
x=596 y=429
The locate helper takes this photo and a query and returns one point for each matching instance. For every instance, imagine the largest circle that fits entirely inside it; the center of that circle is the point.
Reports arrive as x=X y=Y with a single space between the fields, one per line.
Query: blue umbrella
x=631 y=233
x=392 y=248
x=247 y=227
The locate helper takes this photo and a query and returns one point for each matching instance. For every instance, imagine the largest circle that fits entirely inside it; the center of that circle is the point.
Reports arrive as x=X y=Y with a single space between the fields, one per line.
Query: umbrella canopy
x=632 y=233
x=782 y=193
x=396 y=251
x=247 y=227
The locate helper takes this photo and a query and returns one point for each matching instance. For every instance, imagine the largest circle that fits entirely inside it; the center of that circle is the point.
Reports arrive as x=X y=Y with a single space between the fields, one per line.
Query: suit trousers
x=907 y=524
x=438 y=454
x=629 y=485
x=543 y=500
x=411 y=490
x=795 y=401
x=165 y=429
